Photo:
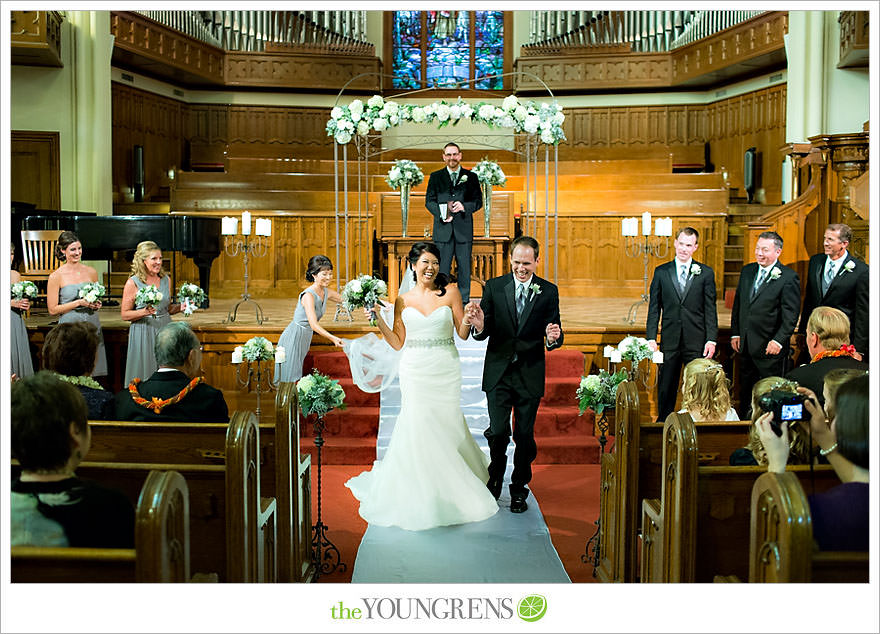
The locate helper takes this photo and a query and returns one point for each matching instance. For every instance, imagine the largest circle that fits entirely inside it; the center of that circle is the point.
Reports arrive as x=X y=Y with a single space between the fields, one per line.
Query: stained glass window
x=444 y=48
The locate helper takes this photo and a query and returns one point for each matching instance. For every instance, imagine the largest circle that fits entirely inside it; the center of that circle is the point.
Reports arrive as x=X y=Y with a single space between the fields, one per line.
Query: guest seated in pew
x=50 y=506
x=705 y=391
x=176 y=391
x=70 y=351
x=754 y=453
x=840 y=516
x=832 y=383
x=829 y=347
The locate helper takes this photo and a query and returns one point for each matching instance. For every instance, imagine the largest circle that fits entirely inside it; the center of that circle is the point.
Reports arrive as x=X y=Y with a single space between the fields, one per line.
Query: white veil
x=373 y=362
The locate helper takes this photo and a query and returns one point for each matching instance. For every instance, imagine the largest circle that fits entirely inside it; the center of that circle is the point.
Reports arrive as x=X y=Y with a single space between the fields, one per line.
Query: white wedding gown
x=433 y=473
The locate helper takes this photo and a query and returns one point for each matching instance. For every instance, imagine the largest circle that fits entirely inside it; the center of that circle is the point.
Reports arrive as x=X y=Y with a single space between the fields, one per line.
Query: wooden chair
x=160 y=555
x=38 y=257
x=781 y=548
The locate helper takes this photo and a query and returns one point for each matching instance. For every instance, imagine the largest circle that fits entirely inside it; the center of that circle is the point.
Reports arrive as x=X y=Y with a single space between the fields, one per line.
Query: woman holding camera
x=840 y=516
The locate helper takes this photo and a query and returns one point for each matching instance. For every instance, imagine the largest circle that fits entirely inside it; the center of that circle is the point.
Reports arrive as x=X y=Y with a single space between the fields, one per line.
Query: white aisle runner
x=506 y=548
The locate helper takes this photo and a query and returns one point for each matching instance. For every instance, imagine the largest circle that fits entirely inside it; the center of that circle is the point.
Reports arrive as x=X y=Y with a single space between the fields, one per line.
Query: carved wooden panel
x=35 y=38
x=854 y=42
x=292 y=70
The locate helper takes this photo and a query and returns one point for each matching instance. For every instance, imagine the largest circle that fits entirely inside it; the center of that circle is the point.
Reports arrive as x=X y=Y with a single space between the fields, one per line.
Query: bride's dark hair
x=441 y=279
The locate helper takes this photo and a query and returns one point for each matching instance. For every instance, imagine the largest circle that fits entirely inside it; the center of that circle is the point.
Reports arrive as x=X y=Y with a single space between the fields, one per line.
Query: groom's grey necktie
x=454 y=178
x=758 y=282
x=520 y=299
x=682 y=277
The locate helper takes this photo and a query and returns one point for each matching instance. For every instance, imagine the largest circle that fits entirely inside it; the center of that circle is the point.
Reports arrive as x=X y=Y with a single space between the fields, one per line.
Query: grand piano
x=196 y=237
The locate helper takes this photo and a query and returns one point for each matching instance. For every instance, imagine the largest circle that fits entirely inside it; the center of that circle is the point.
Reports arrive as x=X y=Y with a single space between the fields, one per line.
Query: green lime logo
x=532 y=608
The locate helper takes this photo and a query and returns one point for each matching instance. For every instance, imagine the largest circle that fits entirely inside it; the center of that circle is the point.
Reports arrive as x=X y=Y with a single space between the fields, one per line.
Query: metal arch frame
x=364 y=147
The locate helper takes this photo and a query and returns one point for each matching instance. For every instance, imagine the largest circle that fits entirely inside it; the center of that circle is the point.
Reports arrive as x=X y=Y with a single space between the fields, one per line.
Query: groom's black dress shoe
x=518 y=504
x=494 y=487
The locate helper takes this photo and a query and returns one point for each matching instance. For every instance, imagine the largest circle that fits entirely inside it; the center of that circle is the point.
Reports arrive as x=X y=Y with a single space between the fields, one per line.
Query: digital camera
x=786 y=407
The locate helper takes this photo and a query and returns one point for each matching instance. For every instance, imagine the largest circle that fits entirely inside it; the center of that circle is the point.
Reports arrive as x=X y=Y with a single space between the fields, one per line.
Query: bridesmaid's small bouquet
x=364 y=292
x=92 y=292
x=23 y=290
x=191 y=297
x=318 y=394
x=147 y=296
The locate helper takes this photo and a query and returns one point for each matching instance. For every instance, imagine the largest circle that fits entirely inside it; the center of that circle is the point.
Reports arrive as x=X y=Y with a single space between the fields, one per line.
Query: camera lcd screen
x=792 y=412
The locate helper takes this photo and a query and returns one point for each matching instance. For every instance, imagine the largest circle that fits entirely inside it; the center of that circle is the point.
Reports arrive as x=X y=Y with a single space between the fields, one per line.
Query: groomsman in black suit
x=765 y=313
x=835 y=278
x=453 y=197
x=683 y=292
x=519 y=314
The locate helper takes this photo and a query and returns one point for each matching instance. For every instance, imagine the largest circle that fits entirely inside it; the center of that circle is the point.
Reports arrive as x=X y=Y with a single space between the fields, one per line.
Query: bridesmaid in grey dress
x=62 y=292
x=22 y=365
x=146 y=270
x=297 y=337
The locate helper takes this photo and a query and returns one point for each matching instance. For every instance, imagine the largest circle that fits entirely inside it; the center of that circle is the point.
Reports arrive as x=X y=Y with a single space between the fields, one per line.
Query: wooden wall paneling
x=35 y=168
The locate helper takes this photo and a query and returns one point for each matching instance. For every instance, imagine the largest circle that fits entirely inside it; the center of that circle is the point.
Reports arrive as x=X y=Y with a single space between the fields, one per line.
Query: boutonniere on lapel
x=695 y=269
x=775 y=273
x=463 y=179
x=536 y=290
x=849 y=266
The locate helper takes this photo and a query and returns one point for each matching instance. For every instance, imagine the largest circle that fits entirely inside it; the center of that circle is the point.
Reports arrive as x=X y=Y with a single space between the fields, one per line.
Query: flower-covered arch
x=357 y=118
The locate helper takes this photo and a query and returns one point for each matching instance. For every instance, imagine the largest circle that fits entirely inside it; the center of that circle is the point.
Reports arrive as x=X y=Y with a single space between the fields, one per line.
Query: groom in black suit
x=683 y=291
x=835 y=278
x=765 y=313
x=519 y=314
x=453 y=197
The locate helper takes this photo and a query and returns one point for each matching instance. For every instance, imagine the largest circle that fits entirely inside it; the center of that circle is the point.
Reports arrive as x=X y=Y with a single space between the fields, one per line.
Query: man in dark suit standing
x=175 y=392
x=453 y=197
x=519 y=314
x=683 y=292
x=828 y=344
x=835 y=278
x=765 y=312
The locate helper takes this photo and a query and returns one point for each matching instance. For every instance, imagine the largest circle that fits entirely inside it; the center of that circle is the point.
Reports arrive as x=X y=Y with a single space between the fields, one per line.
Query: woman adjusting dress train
x=433 y=473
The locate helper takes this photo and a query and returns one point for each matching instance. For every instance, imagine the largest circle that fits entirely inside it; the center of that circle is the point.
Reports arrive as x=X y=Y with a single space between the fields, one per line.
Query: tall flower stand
x=591 y=552
x=487 y=207
x=404 y=207
x=324 y=553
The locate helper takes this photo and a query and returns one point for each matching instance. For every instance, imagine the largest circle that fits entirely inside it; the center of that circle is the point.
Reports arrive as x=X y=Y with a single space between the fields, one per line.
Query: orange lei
x=844 y=351
x=157 y=404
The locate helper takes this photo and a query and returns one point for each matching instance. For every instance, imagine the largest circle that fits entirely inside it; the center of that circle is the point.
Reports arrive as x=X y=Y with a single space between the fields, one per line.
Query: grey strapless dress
x=140 y=361
x=69 y=293
x=297 y=339
x=22 y=365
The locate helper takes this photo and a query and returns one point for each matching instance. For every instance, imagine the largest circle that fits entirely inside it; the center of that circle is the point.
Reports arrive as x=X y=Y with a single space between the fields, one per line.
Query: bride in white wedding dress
x=433 y=473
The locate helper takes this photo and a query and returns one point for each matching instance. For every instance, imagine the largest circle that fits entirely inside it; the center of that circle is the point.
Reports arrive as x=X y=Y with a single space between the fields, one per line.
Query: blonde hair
x=832 y=381
x=705 y=389
x=799 y=443
x=138 y=268
x=831 y=325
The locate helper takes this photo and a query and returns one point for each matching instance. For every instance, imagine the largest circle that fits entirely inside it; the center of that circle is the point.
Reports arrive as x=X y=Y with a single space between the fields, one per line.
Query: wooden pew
x=160 y=555
x=699 y=527
x=781 y=548
x=632 y=472
x=233 y=528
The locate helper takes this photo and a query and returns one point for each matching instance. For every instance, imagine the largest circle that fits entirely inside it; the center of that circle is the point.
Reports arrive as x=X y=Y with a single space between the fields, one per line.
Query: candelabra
x=656 y=245
x=325 y=555
x=247 y=246
x=258 y=375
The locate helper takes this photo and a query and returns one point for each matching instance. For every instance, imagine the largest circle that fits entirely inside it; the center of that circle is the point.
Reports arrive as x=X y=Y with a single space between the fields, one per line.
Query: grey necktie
x=759 y=281
x=520 y=299
x=454 y=178
x=682 y=277
x=829 y=276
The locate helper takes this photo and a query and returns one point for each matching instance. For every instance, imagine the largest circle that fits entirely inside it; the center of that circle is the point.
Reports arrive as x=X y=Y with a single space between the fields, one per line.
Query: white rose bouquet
x=318 y=394
x=364 y=292
x=92 y=292
x=404 y=172
x=23 y=290
x=258 y=349
x=598 y=391
x=635 y=349
x=490 y=172
x=191 y=297
x=147 y=296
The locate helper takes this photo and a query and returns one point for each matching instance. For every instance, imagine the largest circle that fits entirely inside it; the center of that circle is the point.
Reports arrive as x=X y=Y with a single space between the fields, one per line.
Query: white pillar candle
x=238 y=354
x=246 y=223
x=268 y=225
x=608 y=351
x=646 y=223
x=623 y=227
x=226 y=226
x=616 y=356
x=664 y=226
x=658 y=357
x=280 y=355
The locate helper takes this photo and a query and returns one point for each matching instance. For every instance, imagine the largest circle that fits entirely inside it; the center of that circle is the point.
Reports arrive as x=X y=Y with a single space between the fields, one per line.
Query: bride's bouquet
x=191 y=297
x=318 y=394
x=147 y=296
x=23 y=290
x=364 y=292
x=92 y=292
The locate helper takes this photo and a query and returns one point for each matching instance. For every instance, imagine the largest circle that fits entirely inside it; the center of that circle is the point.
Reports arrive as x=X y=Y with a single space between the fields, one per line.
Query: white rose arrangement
x=490 y=172
x=258 y=349
x=318 y=394
x=23 y=289
x=364 y=292
x=92 y=292
x=635 y=349
x=147 y=296
x=191 y=297
x=598 y=391
x=404 y=171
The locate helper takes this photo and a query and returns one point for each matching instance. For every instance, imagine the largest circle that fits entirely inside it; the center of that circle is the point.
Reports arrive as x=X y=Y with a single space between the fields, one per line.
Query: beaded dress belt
x=430 y=343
